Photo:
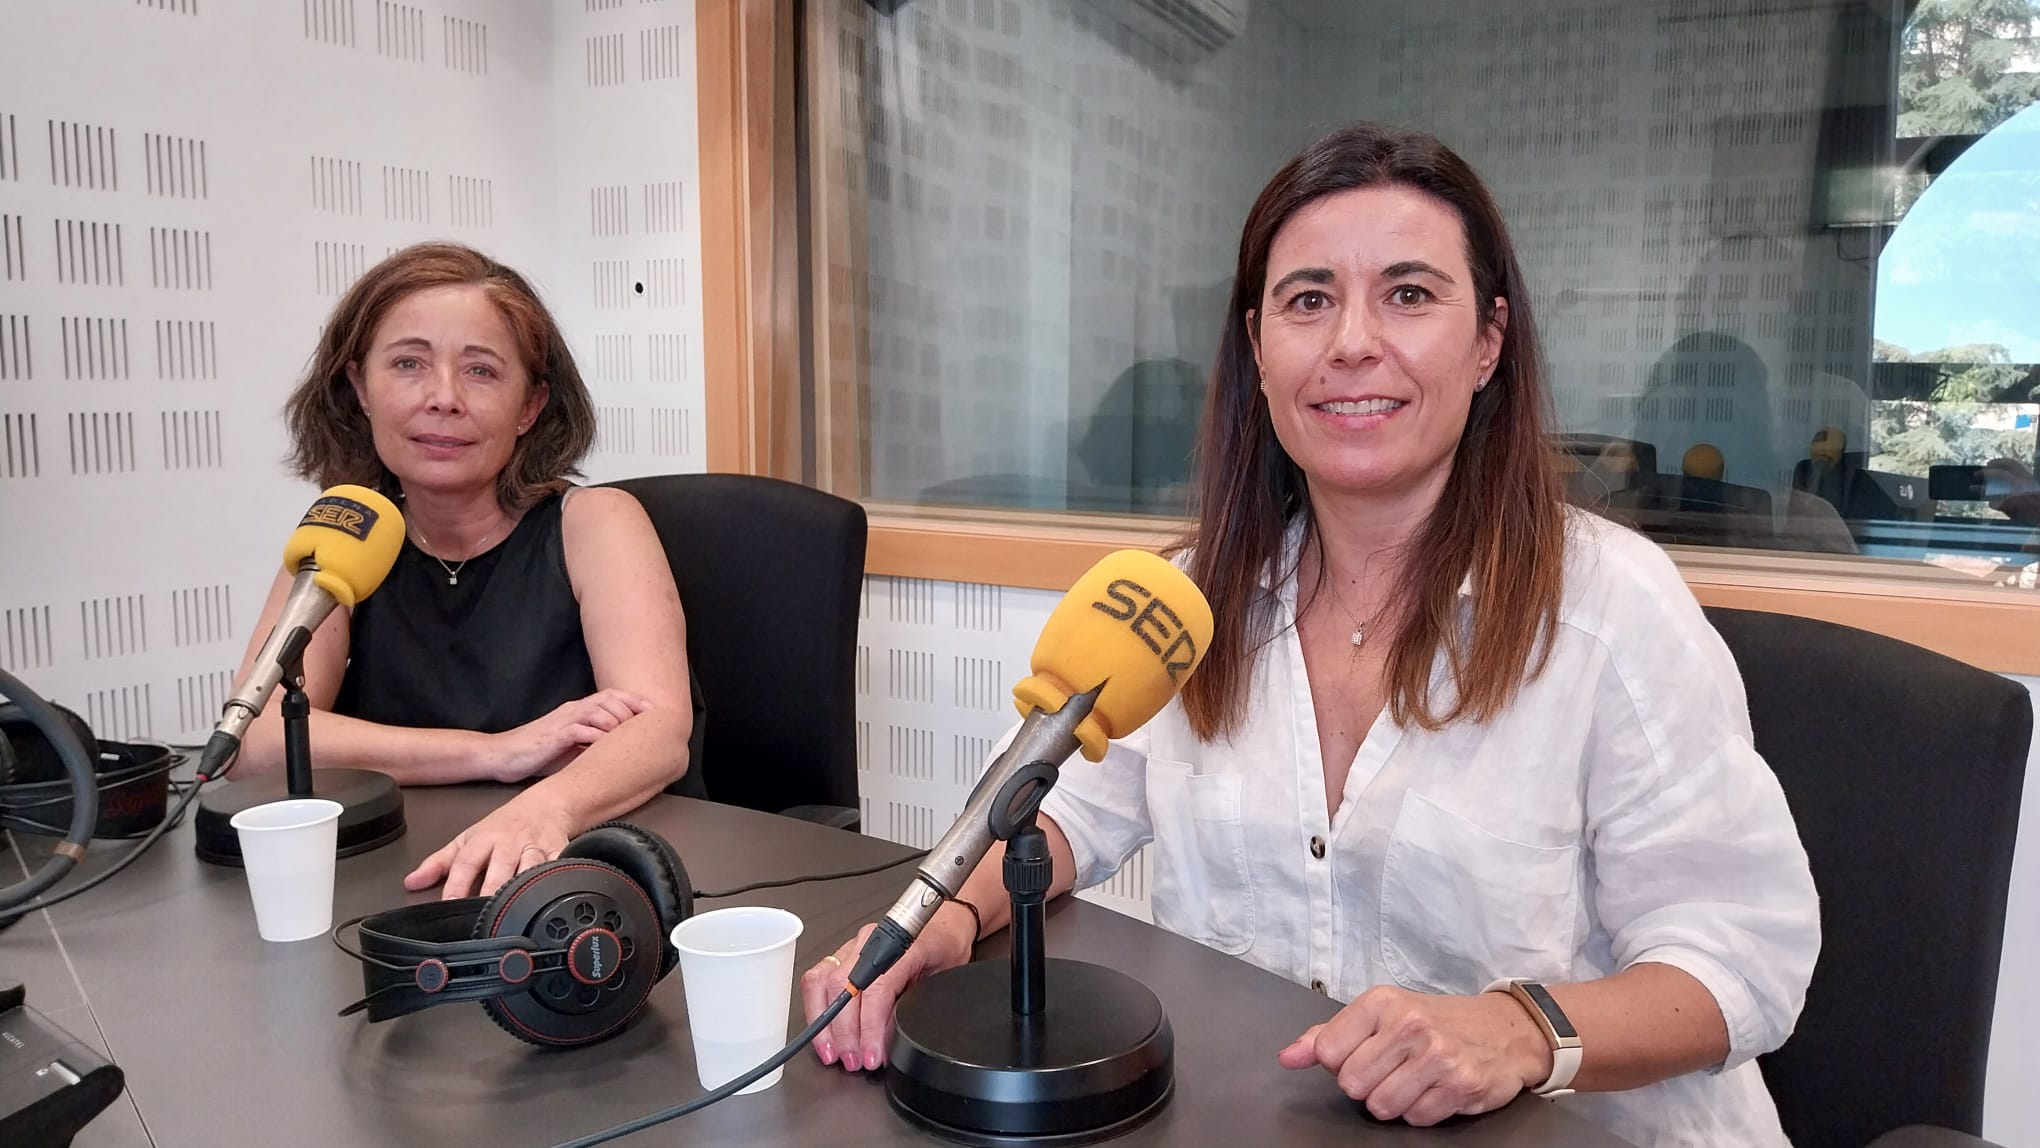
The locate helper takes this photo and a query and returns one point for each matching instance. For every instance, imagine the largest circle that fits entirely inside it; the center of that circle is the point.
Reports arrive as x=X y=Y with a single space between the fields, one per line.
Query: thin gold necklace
x=453 y=572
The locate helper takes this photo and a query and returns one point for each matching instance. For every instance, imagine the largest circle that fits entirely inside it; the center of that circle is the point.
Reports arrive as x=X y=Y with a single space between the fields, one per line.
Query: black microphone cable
x=733 y=1087
x=812 y=877
x=172 y=818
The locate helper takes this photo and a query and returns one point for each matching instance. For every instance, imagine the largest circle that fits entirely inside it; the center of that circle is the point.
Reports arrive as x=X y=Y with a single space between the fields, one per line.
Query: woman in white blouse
x=1449 y=733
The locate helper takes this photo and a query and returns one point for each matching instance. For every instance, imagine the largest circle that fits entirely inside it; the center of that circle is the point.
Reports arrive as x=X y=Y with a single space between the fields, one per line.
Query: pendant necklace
x=453 y=571
x=1359 y=627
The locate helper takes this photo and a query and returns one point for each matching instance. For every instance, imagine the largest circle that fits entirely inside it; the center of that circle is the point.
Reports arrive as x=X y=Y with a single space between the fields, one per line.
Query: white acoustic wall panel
x=186 y=189
x=630 y=270
x=936 y=663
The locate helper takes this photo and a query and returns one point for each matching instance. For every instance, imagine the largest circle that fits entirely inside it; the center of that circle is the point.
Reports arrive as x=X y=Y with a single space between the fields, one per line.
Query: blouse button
x=1317 y=848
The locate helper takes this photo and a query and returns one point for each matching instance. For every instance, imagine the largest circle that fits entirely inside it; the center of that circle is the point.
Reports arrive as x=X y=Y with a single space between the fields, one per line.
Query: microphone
x=340 y=552
x=1114 y=651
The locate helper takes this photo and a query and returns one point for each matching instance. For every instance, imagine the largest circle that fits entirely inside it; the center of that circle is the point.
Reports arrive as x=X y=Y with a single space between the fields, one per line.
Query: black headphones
x=133 y=779
x=564 y=954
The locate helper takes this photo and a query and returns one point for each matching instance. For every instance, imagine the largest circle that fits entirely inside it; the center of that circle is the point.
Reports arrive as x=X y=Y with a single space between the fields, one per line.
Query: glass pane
x=1786 y=258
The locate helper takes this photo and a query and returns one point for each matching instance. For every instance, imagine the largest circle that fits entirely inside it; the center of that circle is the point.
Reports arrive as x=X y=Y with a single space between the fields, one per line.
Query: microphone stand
x=1029 y=871
x=1083 y=1053
x=297 y=735
x=371 y=804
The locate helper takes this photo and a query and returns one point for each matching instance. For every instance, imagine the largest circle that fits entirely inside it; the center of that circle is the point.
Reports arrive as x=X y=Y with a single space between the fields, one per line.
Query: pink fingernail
x=871 y=1058
x=850 y=1061
x=828 y=1052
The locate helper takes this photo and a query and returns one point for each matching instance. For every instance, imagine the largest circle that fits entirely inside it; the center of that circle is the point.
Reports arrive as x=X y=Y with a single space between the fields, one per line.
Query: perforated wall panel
x=182 y=200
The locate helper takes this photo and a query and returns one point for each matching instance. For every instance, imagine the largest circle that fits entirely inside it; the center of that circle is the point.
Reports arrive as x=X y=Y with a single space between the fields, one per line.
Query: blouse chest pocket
x=1202 y=887
x=1461 y=906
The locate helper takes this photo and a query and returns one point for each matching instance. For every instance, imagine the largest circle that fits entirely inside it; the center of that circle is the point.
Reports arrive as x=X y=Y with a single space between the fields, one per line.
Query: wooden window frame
x=744 y=62
x=755 y=322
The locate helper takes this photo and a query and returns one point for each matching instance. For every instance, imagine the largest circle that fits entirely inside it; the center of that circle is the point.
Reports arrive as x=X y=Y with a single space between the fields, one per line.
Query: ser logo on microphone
x=1152 y=622
x=342 y=514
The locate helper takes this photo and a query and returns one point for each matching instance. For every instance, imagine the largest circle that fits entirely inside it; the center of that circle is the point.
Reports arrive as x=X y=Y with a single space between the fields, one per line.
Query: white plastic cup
x=289 y=849
x=737 y=966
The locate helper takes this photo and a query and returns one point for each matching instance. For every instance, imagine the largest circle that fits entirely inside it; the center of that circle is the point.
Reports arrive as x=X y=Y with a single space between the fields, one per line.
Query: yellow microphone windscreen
x=1134 y=623
x=352 y=534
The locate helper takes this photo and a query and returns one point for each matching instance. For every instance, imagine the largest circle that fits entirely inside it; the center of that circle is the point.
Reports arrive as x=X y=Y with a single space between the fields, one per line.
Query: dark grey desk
x=226 y=1039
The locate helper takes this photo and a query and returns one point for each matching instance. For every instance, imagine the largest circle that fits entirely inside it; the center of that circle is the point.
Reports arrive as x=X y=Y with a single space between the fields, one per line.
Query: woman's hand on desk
x=858 y=1037
x=1422 y=1057
x=523 y=833
x=544 y=745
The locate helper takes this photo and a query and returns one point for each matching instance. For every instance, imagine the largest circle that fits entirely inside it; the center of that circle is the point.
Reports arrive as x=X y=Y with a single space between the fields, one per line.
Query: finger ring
x=833 y=959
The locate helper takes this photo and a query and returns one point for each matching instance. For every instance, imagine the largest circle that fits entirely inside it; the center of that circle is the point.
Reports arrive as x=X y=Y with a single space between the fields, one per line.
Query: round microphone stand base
x=1097 y=1061
x=371 y=810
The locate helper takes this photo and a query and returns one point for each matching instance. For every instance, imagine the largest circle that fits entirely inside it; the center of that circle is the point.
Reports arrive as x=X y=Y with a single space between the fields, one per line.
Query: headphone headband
x=399 y=947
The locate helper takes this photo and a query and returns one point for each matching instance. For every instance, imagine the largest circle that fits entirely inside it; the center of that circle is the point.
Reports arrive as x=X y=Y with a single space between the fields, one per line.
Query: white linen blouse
x=1615 y=813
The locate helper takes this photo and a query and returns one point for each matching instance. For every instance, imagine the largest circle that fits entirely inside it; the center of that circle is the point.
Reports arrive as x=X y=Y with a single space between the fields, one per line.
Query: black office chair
x=769 y=574
x=1903 y=769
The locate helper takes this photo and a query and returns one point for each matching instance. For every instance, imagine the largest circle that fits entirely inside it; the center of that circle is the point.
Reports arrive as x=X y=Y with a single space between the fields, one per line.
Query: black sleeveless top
x=495 y=648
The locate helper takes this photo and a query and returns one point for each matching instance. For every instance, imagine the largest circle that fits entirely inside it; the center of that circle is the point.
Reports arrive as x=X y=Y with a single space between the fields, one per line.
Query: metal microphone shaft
x=1048 y=737
x=306 y=607
x=302 y=613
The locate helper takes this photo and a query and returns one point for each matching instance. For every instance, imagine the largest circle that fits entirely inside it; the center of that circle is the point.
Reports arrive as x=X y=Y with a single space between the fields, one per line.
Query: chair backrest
x=770 y=573
x=1903 y=769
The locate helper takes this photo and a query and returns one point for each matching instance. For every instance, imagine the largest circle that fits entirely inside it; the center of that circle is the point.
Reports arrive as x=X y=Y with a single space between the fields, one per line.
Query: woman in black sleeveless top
x=530 y=629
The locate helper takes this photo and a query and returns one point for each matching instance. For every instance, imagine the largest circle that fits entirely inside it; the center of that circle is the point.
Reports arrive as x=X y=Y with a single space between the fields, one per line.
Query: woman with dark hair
x=1473 y=762
x=530 y=628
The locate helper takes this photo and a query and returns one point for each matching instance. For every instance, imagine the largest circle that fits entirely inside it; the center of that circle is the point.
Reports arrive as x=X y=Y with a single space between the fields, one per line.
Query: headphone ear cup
x=556 y=905
x=651 y=861
x=134 y=787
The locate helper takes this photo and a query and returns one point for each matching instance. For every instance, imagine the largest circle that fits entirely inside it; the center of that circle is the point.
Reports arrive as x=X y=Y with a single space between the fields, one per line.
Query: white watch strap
x=1565 y=1059
x=1565 y=1063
